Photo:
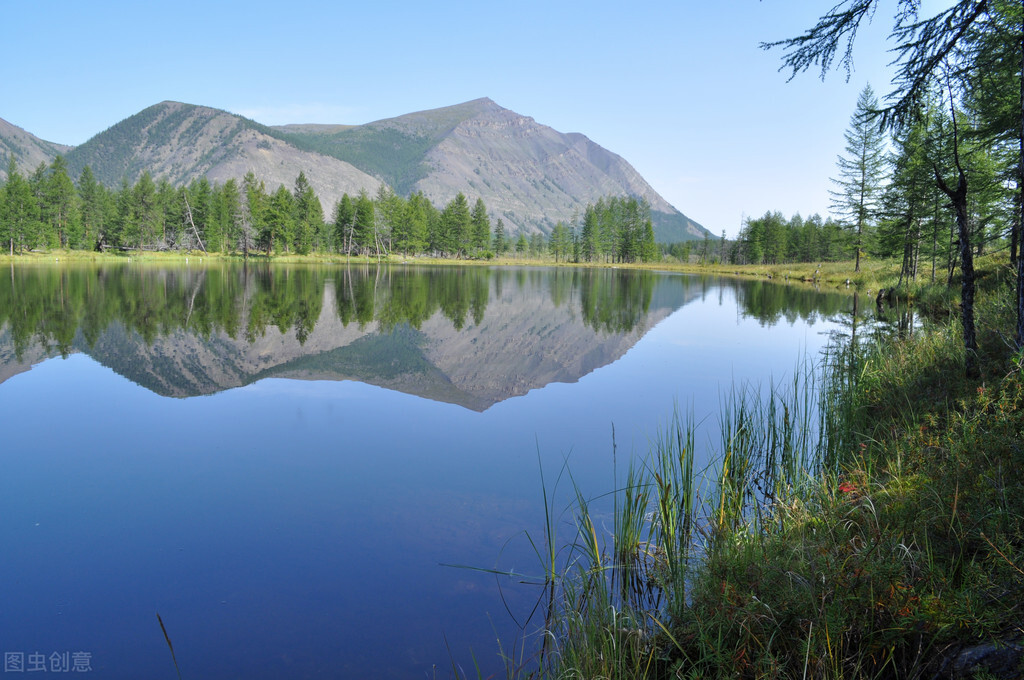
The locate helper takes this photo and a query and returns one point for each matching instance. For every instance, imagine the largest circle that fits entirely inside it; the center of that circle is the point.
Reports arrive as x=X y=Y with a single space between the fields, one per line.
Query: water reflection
x=294 y=529
x=771 y=303
x=897 y=317
x=467 y=335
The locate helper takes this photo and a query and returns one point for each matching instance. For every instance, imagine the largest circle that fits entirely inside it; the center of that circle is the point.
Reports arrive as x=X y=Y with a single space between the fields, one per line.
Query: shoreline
x=898 y=553
x=839 y=273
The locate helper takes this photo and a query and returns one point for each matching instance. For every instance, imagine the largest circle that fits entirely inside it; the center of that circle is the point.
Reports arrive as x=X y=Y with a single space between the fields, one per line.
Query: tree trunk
x=953 y=255
x=1019 y=217
x=1019 y=226
x=860 y=229
x=935 y=236
x=958 y=197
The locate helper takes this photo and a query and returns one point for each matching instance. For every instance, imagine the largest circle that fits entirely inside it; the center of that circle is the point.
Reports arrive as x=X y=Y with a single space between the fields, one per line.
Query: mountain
x=181 y=142
x=27 y=150
x=528 y=174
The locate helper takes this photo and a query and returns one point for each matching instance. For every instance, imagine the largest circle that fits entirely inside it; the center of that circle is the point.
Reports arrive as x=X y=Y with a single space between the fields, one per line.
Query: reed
x=167 y=639
x=860 y=521
x=615 y=597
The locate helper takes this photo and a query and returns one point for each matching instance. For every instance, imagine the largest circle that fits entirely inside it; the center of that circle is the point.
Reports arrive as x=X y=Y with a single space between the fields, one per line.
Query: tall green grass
x=861 y=521
x=616 y=596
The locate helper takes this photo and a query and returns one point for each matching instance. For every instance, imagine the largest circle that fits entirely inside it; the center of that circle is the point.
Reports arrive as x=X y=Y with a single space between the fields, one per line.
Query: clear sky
x=679 y=88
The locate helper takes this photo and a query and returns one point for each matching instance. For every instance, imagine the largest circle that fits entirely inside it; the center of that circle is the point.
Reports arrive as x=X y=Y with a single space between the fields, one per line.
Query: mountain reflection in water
x=466 y=335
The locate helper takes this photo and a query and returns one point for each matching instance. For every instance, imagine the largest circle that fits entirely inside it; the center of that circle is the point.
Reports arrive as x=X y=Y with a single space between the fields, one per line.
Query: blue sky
x=679 y=89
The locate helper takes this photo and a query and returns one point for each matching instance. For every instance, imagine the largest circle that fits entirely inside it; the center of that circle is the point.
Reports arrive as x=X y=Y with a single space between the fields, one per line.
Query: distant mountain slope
x=27 y=150
x=181 y=142
x=394 y=149
x=527 y=173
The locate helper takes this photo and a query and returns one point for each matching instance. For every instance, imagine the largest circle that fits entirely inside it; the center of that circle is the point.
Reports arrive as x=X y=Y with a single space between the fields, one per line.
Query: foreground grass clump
x=915 y=547
x=875 y=540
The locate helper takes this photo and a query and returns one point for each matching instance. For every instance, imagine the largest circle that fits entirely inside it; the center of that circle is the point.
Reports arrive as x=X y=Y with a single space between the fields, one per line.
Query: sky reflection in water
x=291 y=528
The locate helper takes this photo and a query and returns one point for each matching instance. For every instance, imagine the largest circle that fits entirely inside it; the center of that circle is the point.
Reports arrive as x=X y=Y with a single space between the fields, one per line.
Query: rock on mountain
x=181 y=142
x=528 y=174
x=27 y=150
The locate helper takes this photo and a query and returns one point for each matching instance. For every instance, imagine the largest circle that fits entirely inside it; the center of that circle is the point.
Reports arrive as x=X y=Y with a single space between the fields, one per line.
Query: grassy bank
x=866 y=522
x=874 y=274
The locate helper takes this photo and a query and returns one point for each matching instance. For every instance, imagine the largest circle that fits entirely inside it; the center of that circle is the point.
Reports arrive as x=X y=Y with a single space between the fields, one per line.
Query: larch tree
x=419 y=214
x=252 y=214
x=388 y=218
x=521 y=244
x=308 y=217
x=365 y=224
x=560 y=242
x=456 y=226
x=279 y=227
x=61 y=205
x=861 y=171
x=227 y=211
x=19 y=210
x=936 y=49
x=92 y=213
x=905 y=202
x=481 y=226
x=344 y=224
x=500 y=241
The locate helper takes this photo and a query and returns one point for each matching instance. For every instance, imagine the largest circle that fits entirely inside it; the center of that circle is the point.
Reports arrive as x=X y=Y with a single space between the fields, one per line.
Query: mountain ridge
x=544 y=177
x=528 y=174
x=182 y=142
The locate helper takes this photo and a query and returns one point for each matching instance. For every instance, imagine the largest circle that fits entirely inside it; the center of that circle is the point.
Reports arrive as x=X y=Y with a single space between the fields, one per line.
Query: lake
x=282 y=461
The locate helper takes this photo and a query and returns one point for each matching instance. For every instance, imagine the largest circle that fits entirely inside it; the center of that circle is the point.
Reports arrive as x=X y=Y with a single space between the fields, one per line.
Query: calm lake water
x=281 y=460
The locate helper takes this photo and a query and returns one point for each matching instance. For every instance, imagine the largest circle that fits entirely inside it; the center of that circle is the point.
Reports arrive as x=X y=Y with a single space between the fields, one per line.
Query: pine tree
x=201 y=205
x=388 y=217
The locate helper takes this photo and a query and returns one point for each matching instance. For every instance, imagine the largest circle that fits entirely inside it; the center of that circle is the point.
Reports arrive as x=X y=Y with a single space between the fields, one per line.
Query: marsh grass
x=864 y=521
x=167 y=639
x=614 y=597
